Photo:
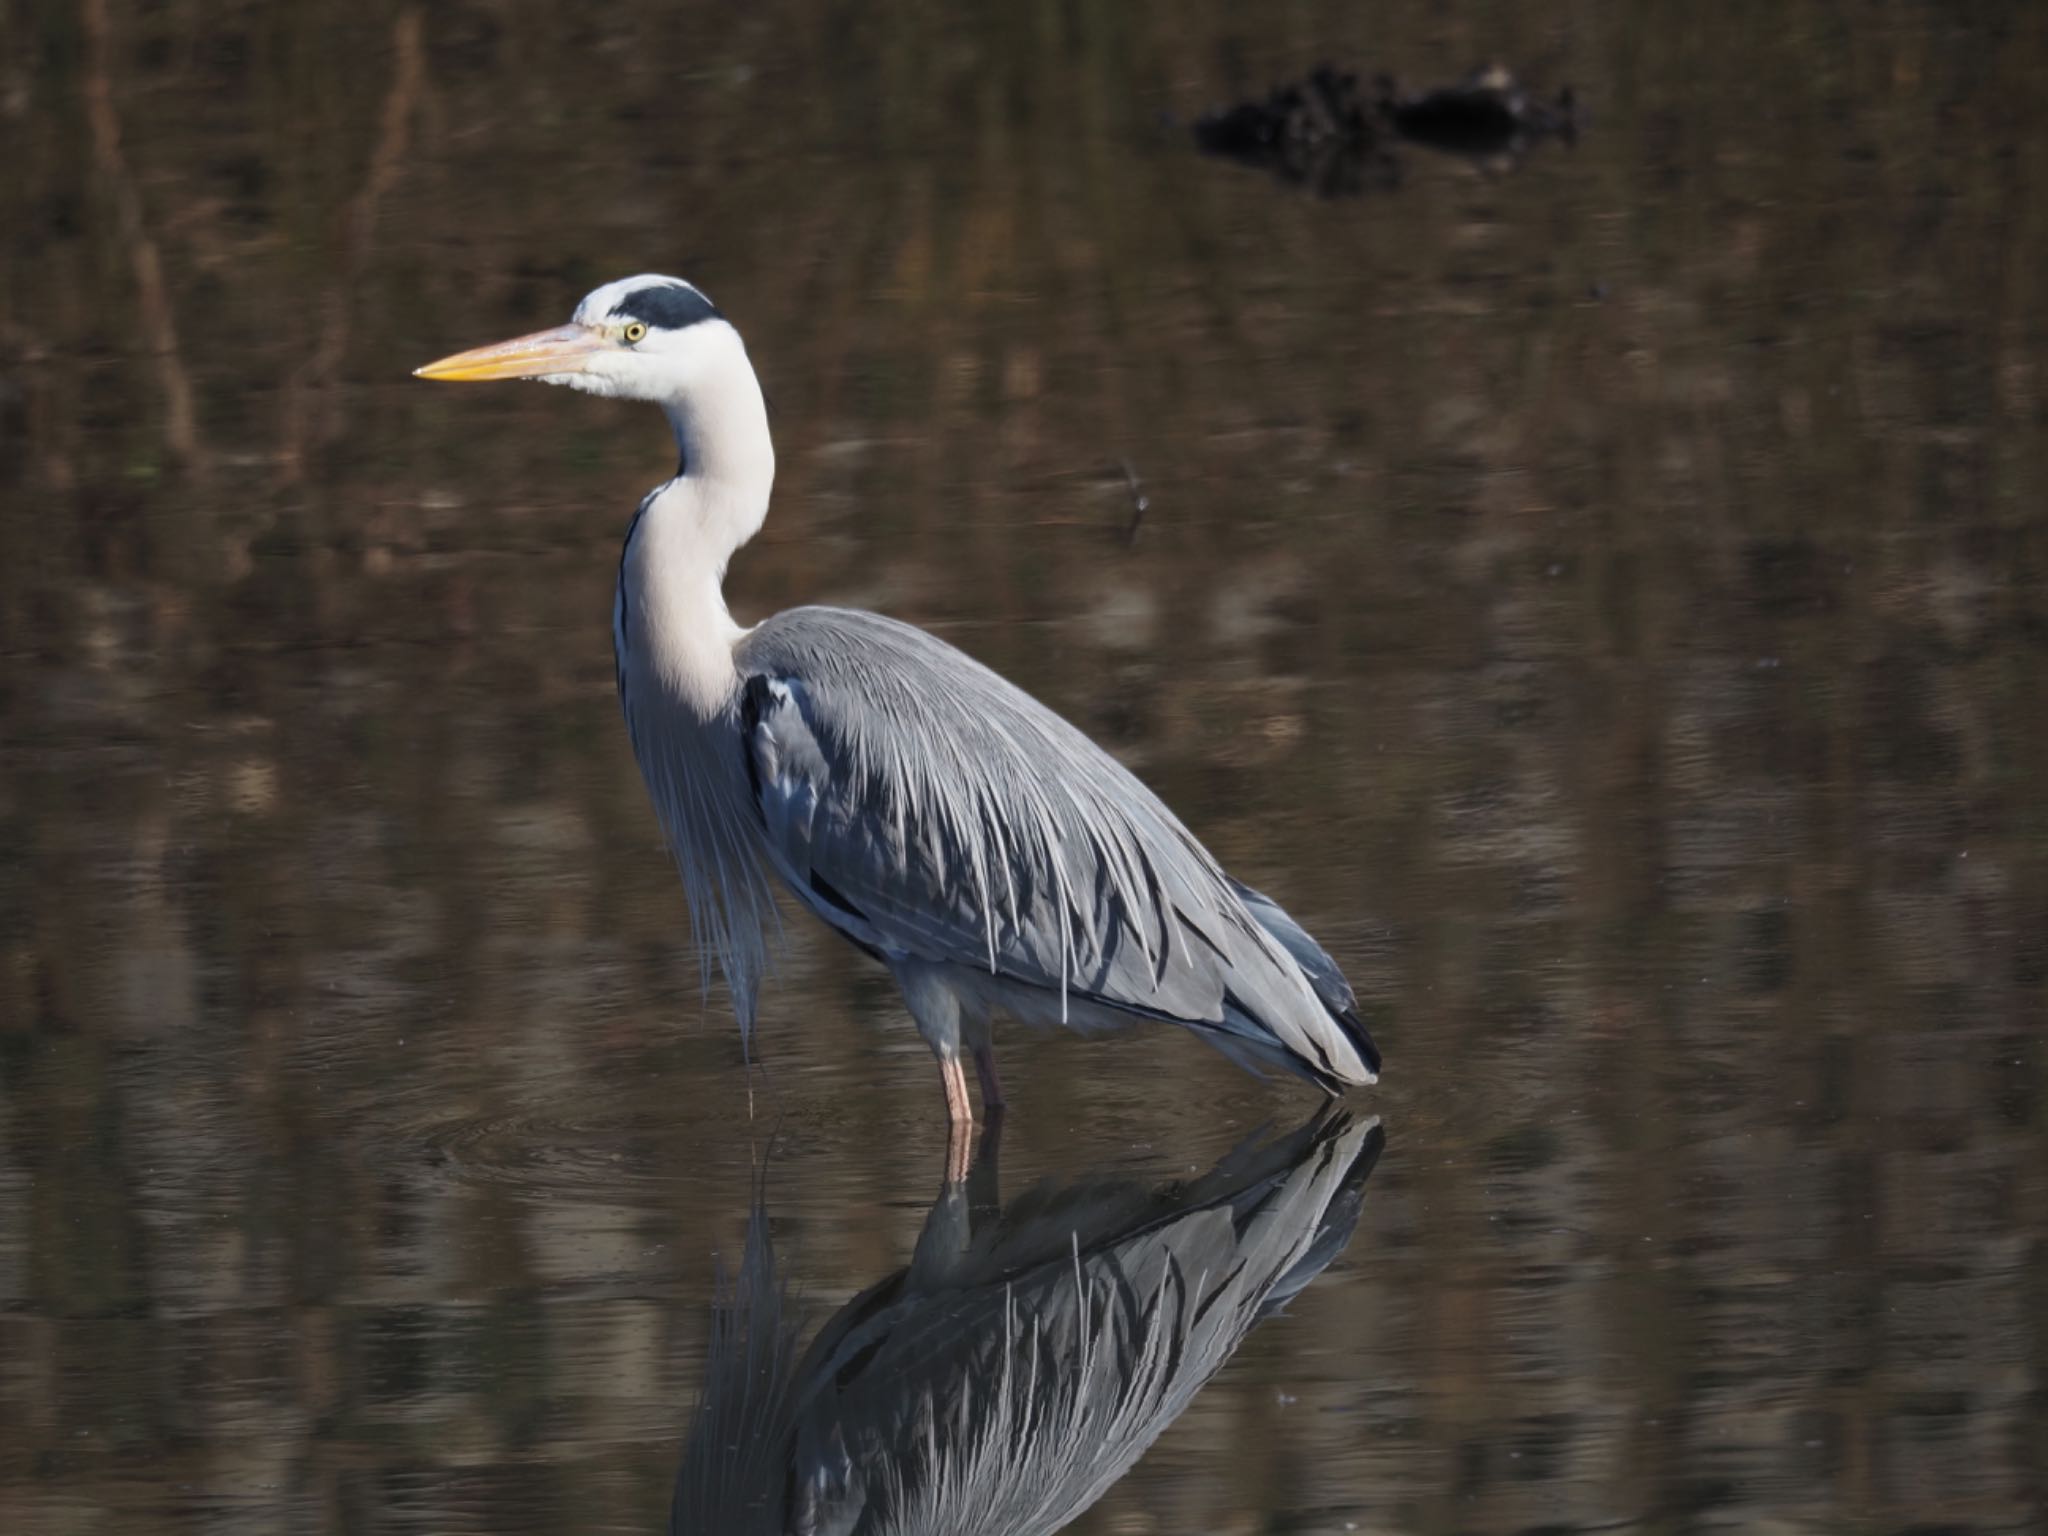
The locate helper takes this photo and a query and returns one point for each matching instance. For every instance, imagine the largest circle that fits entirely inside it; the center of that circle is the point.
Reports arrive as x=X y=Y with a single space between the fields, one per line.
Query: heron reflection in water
x=941 y=819
x=1024 y=1360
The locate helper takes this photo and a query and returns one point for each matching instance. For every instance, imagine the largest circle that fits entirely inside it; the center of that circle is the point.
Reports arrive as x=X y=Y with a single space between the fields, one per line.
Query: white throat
x=672 y=628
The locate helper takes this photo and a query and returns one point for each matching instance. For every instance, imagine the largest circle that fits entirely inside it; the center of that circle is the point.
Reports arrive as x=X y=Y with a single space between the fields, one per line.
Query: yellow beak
x=544 y=354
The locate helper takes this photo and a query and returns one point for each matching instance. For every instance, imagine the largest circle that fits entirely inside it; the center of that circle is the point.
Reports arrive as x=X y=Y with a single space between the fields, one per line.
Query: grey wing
x=927 y=808
x=1316 y=965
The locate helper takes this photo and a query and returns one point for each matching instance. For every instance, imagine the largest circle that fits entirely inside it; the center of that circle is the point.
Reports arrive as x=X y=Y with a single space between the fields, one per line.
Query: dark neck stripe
x=622 y=617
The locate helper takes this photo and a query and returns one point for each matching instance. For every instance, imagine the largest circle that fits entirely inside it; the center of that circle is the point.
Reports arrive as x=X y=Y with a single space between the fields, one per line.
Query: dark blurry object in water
x=1324 y=132
x=1025 y=1359
x=1486 y=116
x=1328 y=133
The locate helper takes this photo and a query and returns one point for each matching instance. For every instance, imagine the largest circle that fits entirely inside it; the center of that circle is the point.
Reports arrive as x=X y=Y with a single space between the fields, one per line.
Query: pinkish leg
x=959 y=1141
x=959 y=1107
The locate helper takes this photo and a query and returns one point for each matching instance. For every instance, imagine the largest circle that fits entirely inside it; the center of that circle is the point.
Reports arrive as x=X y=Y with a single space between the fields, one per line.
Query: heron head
x=640 y=338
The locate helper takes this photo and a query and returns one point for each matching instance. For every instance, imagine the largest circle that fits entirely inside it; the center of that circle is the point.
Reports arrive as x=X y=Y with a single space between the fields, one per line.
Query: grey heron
x=973 y=841
x=1022 y=1362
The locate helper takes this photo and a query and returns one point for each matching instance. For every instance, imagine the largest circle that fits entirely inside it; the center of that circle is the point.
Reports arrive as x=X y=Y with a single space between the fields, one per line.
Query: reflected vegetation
x=1025 y=1358
x=1607 y=604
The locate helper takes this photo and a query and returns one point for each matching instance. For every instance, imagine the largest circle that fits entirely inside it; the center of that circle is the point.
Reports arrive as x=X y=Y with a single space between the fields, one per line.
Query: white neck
x=721 y=424
x=675 y=623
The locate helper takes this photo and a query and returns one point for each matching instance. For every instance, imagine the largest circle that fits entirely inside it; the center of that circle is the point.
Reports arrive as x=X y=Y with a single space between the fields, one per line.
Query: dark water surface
x=1606 y=599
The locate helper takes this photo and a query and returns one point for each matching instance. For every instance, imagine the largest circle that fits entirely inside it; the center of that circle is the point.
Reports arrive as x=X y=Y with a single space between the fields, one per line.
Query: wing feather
x=957 y=820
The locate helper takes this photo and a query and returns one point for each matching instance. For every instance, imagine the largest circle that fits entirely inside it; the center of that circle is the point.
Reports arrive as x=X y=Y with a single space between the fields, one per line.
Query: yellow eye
x=634 y=332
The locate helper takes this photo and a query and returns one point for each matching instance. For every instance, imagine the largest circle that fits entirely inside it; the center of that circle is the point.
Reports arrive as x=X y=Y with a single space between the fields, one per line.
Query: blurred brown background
x=1604 y=598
